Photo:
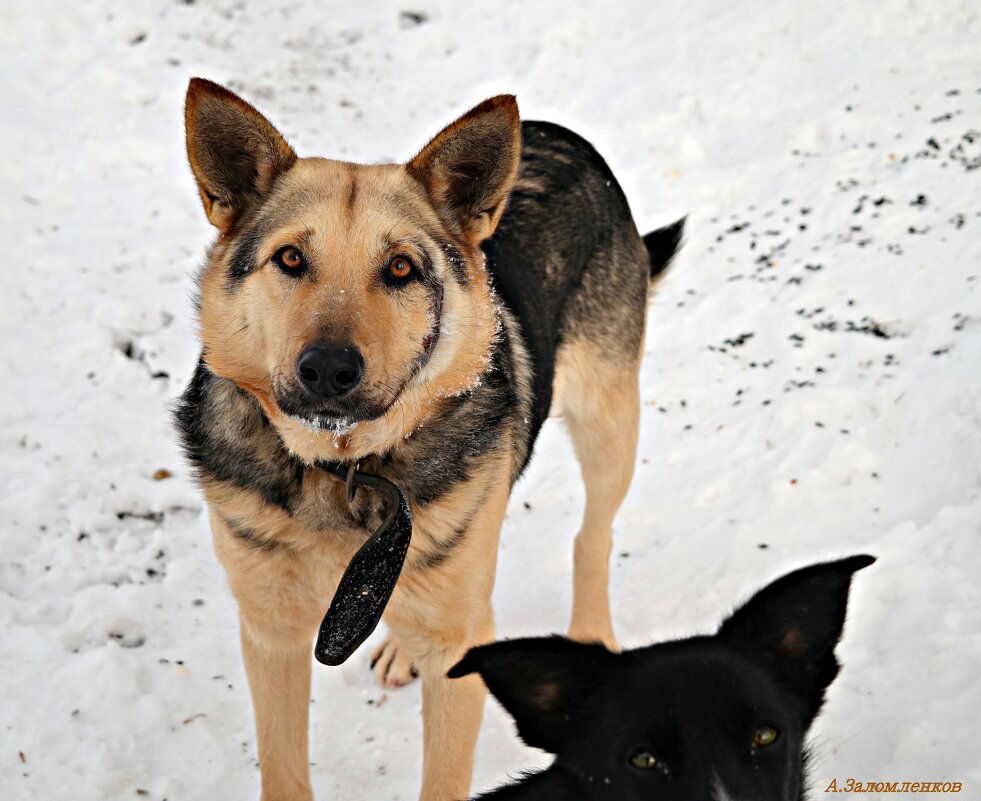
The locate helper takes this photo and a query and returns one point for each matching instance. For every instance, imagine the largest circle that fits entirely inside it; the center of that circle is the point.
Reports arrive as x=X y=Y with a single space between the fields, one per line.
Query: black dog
x=710 y=718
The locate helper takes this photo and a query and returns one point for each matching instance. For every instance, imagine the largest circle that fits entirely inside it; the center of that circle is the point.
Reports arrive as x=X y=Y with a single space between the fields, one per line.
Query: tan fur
x=392 y=666
x=600 y=403
x=281 y=601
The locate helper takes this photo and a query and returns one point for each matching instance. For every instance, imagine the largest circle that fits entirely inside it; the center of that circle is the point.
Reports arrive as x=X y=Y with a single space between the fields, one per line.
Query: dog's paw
x=392 y=668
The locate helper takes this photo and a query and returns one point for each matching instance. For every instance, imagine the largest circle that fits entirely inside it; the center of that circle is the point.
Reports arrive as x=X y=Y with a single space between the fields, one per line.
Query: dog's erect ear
x=540 y=681
x=235 y=152
x=794 y=624
x=468 y=169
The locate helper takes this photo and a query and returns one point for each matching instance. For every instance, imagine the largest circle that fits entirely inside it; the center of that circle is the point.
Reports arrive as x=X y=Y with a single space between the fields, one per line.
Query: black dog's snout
x=330 y=370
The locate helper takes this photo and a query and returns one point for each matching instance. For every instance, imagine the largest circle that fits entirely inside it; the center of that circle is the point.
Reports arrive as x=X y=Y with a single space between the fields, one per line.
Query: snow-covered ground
x=812 y=386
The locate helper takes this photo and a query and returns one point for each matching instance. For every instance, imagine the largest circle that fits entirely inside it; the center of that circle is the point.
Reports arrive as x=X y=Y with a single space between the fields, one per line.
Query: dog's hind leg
x=598 y=396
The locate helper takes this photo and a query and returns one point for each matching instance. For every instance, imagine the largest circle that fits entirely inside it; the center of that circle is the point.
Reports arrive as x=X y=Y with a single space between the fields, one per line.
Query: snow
x=850 y=421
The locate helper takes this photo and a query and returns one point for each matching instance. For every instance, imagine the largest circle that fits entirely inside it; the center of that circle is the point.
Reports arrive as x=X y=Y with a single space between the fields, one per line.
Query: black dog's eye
x=644 y=760
x=290 y=260
x=765 y=735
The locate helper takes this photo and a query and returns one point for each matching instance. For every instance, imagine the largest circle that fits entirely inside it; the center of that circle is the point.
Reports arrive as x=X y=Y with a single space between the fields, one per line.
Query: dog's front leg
x=438 y=612
x=280 y=600
x=452 y=710
x=279 y=679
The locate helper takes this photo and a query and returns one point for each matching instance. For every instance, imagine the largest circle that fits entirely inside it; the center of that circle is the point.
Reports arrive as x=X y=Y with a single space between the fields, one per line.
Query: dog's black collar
x=366 y=586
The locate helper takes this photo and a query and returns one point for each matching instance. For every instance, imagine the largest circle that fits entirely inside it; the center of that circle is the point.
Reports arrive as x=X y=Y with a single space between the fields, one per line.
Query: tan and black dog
x=420 y=319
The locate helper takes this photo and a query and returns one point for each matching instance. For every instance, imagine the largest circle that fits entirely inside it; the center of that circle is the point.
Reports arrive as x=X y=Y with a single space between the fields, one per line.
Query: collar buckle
x=350 y=488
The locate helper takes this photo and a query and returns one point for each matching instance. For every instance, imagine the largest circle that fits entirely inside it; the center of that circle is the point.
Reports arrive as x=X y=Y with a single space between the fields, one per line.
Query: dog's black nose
x=330 y=370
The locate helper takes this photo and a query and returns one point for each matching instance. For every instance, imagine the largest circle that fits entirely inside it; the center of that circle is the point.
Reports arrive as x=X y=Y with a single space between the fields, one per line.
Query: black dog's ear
x=540 y=681
x=794 y=624
x=235 y=152
x=468 y=169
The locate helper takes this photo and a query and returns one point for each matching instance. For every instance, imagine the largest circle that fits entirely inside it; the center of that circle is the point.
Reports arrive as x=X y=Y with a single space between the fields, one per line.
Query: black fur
x=457 y=266
x=438 y=554
x=245 y=255
x=693 y=705
x=228 y=438
x=663 y=244
x=253 y=537
x=564 y=257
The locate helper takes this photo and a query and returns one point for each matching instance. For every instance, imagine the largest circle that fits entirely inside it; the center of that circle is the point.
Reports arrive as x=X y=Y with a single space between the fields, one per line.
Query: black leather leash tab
x=367 y=584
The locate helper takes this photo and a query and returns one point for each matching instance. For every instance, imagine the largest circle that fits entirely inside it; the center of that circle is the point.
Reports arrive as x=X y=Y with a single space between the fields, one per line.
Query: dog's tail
x=663 y=245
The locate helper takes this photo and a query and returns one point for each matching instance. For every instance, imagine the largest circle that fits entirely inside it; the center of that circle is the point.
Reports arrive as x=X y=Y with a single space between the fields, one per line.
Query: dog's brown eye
x=289 y=259
x=764 y=736
x=400 y=267
x=644 y=760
